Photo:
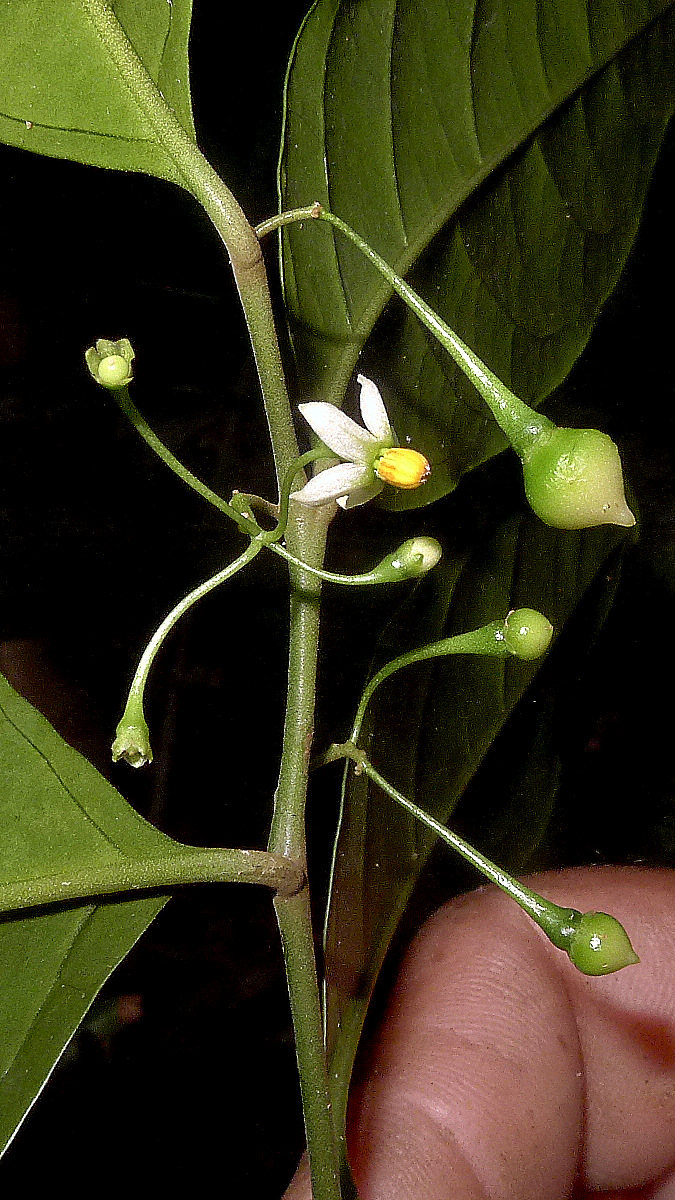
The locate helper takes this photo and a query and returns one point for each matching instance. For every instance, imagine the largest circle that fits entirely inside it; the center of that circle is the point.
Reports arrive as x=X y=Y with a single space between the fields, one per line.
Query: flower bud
x=110 y=362
x=573 y=479
x=600 y=945
x=414 y=558
x=527 y=633
x=132 y=743
x=402 y=467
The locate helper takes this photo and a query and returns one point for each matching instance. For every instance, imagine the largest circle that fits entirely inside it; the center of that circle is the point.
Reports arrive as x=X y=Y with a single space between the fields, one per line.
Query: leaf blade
x=58 y=814
x=494 y=301
x=86 y=945
x=61 y=96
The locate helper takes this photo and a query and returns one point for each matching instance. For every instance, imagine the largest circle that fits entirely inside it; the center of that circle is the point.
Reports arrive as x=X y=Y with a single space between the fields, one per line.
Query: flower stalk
x=573 y=477
x=525 y=633
x=596 y=943
x=132 y=740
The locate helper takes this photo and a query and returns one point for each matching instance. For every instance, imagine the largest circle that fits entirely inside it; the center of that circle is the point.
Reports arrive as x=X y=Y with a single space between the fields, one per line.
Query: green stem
x=287 y=488
x=295 y=926
x=521 y=424
x=489 y=640
x=123 y=399
x=310 y=212
x=147 y=658
x=551 y=918
x=307 y=534
x=226 y=215
x=136 y=875
x=306 y=539
x=247 y=524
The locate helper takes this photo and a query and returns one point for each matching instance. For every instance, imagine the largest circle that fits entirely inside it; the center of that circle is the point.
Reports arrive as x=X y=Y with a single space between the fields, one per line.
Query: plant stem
x=306 y=539
x=226 y=215
x=175 y=869
x=306 y=534
x=295 y=926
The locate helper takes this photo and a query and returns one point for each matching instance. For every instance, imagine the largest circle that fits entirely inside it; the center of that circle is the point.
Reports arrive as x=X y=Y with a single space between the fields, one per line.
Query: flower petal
x=361 y=495
x=373 y=411
x=334 y=483
x=342 y=435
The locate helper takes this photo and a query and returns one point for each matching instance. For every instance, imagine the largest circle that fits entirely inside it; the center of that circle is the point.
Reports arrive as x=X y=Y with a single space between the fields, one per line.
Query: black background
x=98 y=540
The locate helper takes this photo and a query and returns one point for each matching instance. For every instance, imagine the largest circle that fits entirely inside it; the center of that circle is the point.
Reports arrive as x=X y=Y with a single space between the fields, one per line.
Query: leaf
x=61 y=95
x=58 y=815
x=511 y=148
x=429 y=729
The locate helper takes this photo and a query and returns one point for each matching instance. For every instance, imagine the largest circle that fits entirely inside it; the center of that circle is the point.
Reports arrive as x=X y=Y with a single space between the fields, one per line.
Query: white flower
x=370 y=456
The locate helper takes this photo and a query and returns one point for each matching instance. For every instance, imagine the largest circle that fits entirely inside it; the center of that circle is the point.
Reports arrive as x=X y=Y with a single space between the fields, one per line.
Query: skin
x=501 y=1072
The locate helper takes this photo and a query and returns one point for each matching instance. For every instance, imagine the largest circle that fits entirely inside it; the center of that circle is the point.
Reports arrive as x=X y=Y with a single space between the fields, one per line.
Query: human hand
x=500 y=1072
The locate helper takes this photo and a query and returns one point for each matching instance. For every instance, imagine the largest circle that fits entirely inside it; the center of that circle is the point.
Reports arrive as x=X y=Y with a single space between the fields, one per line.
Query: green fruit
x=600 y=945
x=573 y=480
x=110 y=362
x=114 y=371
x=527 y=633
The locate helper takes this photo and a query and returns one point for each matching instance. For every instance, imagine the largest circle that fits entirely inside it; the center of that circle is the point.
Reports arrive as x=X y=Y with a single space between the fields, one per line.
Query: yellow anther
x=402 y=467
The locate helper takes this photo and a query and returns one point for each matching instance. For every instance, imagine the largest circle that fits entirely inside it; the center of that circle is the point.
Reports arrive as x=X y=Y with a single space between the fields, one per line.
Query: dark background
x=186 y=1069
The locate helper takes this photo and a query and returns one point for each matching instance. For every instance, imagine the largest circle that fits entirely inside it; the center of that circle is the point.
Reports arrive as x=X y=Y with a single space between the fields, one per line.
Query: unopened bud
x=414 y=558
x=600 y=945
x=527 y=633
x=573 y=479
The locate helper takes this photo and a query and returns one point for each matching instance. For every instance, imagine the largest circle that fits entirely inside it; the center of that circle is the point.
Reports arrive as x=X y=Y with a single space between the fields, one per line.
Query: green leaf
x=61 y=95
x=59 y=817
x=429 y=729
x=511 y=149
x=68 y=836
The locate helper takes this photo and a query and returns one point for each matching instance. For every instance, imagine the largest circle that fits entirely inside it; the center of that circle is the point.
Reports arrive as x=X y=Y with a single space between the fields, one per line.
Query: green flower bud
x=600 y=945
x=414 y=558
x=573 y=479
x=132 y=742
x=110 y=362
x=527 y=633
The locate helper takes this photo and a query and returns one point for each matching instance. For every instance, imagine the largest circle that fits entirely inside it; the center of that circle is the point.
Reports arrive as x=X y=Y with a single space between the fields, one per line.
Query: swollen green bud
x=110 y=362
x=414 y=558
x=573 y=479
x=600 y=945
x=527 y=633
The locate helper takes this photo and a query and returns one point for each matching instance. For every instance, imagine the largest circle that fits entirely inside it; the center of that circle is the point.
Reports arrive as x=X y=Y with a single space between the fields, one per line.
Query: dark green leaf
x=60 y=94
x=58 y=816
x=516 y=146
